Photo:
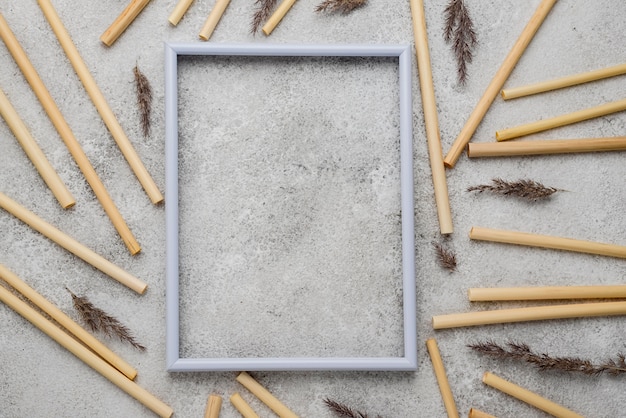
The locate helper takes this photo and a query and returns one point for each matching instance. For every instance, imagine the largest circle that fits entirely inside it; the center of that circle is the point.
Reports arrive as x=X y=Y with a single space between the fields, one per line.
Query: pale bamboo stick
x=551 y=146
x=265 y=396
x=67 y=135
x=546 y=241
x=181 y=8
x=67 y=323
x=562 y=120
x=442 y=379
x=242 y=406
x=213 y=406
x=497 y=82
x=71 y=245
x=87 y=356
x=562 y=82
x=277 y=16
x=100 y=102
x=431 y=120
x=213 y=19
x=529 y=397
x=547 y=293
x=122 y=22
x=535 y=313
x=35 y=154
x=477 y=413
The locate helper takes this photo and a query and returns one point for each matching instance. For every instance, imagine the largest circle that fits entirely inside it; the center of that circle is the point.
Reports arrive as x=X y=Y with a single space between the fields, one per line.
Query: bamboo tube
x=67 y=135
x=123 y=21
x=35 y=154
x=529 y=397
x=67 y=323
x=181 y=8
x=277 y=16
x=442 y=379
x=100 y=102
x=477 y=413
x=497 y=82
x=71 y=245
x=242 y=406
x=546 y=293
x=552 y=146
x=535 y=313
x=213 y=19
x=562 y=120
x=561 y=82
x=213 y=406
x=431 y=120
x=546 y=241
x=265 y=396
x=83 y=353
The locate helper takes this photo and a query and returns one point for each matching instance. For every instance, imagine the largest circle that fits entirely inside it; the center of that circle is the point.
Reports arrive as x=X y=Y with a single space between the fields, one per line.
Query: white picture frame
x=174 y=363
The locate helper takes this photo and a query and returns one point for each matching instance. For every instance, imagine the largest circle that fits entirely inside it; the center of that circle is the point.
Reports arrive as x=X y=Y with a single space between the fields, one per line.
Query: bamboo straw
x=100 y=102
x=552 y=146
x=562 y=120
x=535 y=313
x=213 y=19
x=83 y=353
x=123 y=21
x=561 y=82
x=476 y=413
x=35 y=154
x=213 y=406
x=442 y=379
x=67 y=135
x=497 y=82
x=179 y=11
x=547 y=293
x=71 y=245
x=67 y=323
x=265 y=396
x=277 y=16
x=242 y=406
x=529 y=397
x=430 y=117
x=546 y=241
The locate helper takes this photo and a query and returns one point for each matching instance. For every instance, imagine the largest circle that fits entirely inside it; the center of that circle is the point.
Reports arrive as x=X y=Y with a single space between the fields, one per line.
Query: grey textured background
x=345 y=162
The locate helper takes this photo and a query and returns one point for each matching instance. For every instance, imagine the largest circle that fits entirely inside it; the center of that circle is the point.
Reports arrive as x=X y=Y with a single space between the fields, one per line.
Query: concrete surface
x=272 y=156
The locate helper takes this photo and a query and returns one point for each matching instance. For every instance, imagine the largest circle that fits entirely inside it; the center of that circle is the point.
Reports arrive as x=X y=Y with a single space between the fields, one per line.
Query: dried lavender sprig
x=521 y=351
x=344 y=411
x=341 y=6
x=527 y=189
x=98 y=320
x=446 y=258
x=459 y=31
x=144 y=99
x=263 y=12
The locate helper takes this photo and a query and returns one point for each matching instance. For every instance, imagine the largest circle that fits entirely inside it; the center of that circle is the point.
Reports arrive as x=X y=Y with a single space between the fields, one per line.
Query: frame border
x=174 y=363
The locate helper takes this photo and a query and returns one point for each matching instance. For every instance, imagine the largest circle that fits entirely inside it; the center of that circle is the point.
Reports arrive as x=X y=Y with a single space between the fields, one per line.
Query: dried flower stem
x=341 y=6
x=520 y=351
x=527 y=189
x=344 y=411
x=98 y=320
x=446 y=258
x=144 y=99
x=264 y=11
x=460 y=32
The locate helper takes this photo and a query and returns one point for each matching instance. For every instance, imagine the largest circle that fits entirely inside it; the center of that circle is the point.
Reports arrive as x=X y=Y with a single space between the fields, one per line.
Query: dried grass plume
x=343 y=411
x=446 y=258
x=263 y=12
x=98 y=320
x=526 y=189
x=521 y=351
x=144 y=99
x=339 y=6
x=459 y=32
